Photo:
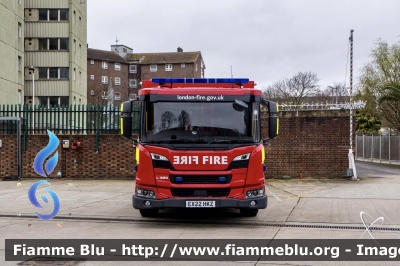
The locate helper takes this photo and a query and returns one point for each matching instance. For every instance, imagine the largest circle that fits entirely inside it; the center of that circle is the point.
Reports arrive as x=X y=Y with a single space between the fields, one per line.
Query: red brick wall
x=314 y=143
x=115 y=158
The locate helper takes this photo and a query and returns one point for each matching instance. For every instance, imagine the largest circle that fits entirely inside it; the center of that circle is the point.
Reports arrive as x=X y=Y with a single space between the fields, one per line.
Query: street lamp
x=31 y=68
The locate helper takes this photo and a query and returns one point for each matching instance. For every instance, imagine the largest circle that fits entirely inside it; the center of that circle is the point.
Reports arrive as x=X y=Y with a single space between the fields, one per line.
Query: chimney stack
x=180 y=50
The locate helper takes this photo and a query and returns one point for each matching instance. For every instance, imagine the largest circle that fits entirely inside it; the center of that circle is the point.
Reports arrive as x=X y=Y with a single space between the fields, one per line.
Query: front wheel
x=248 y=212
x=148 y=212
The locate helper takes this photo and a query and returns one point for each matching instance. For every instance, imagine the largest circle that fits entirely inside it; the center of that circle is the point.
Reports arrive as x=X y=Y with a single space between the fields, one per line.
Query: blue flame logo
x=35 y=202
x=44 y=153
x=47 y=170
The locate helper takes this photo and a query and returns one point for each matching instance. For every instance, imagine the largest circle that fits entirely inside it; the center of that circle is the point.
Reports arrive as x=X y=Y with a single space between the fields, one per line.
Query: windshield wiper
x=230 y=141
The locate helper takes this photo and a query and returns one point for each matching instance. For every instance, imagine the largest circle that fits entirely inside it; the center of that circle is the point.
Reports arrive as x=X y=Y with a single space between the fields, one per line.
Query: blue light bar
x=201 y=80
x=222 y=179
x=178 y=179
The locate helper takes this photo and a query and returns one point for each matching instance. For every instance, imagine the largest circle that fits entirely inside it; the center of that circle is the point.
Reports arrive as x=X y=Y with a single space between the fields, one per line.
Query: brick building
x=105 y=69
x=179 y=64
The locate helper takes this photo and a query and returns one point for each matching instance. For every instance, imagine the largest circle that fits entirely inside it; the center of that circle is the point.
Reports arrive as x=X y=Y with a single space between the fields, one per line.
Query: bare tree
x=294 y=90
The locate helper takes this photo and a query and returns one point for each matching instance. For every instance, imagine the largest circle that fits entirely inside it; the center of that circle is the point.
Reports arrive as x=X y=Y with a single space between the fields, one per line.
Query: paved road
x=334 y=202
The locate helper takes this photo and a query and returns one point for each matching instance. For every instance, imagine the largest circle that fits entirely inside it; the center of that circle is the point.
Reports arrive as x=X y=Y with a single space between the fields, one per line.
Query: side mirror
x=273 y=110
x=126 y=120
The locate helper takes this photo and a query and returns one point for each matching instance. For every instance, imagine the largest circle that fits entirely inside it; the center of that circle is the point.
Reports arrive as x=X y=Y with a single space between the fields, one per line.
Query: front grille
x=207 y=192
x=238 y=164
x=201 y=179
x=162 y=164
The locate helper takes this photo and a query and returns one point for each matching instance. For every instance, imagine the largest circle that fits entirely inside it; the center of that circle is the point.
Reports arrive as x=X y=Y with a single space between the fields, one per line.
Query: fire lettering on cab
x=206 y=159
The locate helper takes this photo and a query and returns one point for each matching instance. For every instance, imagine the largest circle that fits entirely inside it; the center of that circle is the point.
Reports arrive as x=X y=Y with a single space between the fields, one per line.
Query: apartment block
x=106 y=70
x=55 y=44
x=11 y=52
x=179 y=64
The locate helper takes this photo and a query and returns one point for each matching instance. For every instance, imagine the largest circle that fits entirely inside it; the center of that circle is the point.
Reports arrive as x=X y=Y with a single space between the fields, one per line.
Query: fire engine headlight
x=255 y=193
x=158 y=157
x=147 y=193
x=242 y=157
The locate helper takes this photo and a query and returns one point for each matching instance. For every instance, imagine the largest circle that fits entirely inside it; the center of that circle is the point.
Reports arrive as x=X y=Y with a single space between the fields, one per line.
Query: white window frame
x=104 y=79
x=117 y=66
x=92 y=62
x=168 y=67
x=132 y=96
x=183 y=65
x=117 y=81
x=154 y=69
x=92 y=77
x=104 y=65
x=117 y=96
x=132 y=68
x=104 y=95
x=92 y=92
x=132 y=83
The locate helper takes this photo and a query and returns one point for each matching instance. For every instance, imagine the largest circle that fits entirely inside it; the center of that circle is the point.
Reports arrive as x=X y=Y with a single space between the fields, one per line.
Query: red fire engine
x=199 y=144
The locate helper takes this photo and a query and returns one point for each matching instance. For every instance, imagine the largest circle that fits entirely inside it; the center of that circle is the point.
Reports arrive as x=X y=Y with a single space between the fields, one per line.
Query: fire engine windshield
x=201 y=122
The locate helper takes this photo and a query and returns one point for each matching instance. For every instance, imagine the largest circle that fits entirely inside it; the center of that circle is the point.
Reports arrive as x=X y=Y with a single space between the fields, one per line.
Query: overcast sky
x=264 y=40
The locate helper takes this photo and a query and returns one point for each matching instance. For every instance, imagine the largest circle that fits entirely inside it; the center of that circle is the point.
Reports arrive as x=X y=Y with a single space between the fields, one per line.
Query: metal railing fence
x=66 y=119
x=378 y=148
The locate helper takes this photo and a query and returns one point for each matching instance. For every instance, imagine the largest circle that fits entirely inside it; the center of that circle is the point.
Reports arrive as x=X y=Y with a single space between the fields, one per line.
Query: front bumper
x=138 y=202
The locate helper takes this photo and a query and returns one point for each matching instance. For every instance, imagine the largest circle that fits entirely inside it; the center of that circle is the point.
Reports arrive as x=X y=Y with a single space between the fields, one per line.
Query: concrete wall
x=314 y=143
x=11 y=47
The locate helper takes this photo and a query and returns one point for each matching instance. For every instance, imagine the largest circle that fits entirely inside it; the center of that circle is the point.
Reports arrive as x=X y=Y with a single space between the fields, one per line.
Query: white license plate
x=200 y=204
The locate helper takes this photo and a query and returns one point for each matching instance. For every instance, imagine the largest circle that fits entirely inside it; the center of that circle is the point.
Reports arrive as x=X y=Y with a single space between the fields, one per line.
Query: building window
x=19 y=30
x=182 y=65
x=92 y=92
x=92 y=77
x=132 y=83
x=53 y=14
x=117 y=66
x=168 y=67
x=53 y=73
x=19 y=96
x=74 y=74
x=19 y=64
x=92 y=62
x=74 y=17
x=117 y=81
x=104 y=79
x=53 y=44
x=133 y=69
x=74 y=46
x=64 y=44
x=104 y=95
x=64 y=14
x=80 y=46
x=153 y=68
x=196 y=67
x=19 y=2
x=117 y=96
x=132 y=96
x=64 y=72
x=80 y=77
x=104 y=65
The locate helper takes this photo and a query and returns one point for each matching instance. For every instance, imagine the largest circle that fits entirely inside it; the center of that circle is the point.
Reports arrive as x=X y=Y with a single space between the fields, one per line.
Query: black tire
x=248 y=212
x=148 y=212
